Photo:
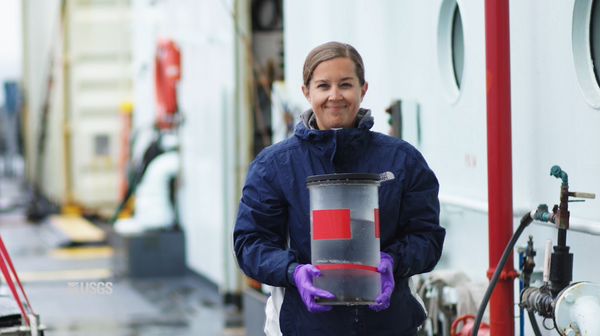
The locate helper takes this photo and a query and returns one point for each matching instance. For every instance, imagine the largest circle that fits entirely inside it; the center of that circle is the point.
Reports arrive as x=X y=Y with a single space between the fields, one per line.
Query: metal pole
x=499 y=162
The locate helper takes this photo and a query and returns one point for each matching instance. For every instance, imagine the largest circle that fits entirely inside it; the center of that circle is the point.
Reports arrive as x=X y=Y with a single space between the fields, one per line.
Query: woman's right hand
x=303 y=278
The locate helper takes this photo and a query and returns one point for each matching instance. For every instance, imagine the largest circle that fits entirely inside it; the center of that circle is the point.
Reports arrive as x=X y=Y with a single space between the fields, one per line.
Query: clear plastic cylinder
x=345 y=236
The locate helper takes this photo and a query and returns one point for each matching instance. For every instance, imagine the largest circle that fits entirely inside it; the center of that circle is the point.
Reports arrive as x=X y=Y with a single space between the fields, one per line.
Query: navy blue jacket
x=275 y=199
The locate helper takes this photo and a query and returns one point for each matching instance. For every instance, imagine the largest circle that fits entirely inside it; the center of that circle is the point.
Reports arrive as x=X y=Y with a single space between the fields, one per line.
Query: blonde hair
x=329 y=51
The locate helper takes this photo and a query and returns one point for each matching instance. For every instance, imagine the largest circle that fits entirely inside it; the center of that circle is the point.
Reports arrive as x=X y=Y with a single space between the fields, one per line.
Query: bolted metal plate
x=577 y=310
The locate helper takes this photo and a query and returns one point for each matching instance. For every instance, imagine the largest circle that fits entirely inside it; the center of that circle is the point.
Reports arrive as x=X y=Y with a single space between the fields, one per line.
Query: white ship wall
x=552 y=123
x=204 y=31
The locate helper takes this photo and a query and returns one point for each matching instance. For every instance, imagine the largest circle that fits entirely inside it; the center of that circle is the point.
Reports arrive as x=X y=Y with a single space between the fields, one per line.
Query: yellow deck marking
x=77 y=228
x=87 y=252
x=98 y=273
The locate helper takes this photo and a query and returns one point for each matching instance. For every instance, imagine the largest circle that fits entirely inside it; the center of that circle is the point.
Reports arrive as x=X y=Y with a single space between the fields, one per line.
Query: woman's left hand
x=386 y=268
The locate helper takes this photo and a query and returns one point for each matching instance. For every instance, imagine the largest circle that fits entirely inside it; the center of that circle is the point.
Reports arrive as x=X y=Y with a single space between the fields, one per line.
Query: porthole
x=595 y=38
x=451 y=49
x=458 y=46
x=586 y=48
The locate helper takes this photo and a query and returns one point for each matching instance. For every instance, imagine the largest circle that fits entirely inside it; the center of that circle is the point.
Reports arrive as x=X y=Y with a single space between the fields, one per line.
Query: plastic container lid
x=342 y=177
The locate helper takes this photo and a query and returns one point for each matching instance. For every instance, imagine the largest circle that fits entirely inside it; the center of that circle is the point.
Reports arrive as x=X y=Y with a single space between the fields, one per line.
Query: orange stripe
x=376 y=223
x=346 y=266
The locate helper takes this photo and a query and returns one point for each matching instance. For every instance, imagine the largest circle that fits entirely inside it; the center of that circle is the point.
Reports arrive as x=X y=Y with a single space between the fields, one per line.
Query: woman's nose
x=335 y=94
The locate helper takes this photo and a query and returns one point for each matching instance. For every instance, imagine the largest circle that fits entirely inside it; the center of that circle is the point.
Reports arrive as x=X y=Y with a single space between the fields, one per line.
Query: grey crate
x=150 y=254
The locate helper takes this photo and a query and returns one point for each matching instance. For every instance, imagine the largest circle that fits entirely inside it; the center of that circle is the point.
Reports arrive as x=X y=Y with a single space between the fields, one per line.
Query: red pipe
x=497 y=50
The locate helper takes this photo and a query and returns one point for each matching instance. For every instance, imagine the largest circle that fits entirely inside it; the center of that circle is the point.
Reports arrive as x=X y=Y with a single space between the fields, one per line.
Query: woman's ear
x=306 y=92
x=363 y=91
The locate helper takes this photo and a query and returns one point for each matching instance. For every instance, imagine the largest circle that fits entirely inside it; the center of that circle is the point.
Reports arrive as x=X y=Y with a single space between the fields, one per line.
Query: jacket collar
x=307 y=128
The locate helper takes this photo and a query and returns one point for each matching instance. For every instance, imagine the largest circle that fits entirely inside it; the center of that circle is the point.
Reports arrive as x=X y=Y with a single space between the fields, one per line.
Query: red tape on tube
x=331 y=224
x=346 y=266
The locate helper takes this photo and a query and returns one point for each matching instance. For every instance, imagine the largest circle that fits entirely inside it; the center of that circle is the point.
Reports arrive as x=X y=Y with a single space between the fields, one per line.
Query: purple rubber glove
x=303 y=278
x=386 y=268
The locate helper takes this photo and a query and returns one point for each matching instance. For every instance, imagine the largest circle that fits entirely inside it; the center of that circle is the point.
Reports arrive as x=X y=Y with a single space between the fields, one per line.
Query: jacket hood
x=340 y=146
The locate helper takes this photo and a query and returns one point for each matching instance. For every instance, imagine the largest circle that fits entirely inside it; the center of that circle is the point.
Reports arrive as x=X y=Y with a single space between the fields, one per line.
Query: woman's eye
x=322 y=86
x=346 y=85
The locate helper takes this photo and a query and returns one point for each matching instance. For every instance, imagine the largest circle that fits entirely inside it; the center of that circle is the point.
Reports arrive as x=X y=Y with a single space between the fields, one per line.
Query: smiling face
x=335 y=93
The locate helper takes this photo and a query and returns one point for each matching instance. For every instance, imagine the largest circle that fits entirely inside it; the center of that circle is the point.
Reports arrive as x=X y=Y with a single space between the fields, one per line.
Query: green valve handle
x=559 y=173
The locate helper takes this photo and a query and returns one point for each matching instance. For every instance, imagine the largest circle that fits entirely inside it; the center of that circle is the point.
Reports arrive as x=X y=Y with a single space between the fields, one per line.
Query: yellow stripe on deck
x=88 y=252
x=77 y=228
x=87 y=274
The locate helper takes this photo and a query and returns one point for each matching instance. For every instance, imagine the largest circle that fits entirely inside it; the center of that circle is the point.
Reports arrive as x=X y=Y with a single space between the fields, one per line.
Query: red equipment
x=6 y=266
x=484 y=329
x=497 y=45
x=167 y=74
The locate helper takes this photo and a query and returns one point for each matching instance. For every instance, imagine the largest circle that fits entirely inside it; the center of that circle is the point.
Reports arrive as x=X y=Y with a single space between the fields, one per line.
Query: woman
x=272 y=232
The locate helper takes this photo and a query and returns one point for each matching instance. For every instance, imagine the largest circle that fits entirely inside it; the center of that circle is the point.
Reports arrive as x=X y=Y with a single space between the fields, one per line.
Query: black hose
x=151 y=153
x=526 y=220
x=534 y=325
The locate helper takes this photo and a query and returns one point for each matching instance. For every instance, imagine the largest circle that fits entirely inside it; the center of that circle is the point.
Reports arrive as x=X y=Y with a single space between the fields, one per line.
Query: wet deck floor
x=185 y=305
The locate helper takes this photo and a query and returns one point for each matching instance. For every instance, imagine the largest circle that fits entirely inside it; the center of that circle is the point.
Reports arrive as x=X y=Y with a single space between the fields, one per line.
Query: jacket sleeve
x=260 y=233
x=420 y=238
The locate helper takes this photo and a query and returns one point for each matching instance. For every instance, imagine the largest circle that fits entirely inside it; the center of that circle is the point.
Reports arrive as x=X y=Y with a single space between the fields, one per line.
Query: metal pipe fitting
x=557 y=172
x=537 y=299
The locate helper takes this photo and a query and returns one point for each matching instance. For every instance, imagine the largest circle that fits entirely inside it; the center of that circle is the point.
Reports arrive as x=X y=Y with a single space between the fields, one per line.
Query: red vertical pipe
x=497 y=50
